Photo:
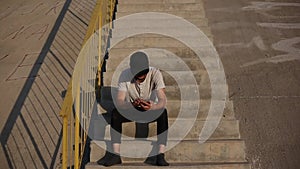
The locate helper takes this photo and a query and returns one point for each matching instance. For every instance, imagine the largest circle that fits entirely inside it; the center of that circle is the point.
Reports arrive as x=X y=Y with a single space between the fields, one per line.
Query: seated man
x=141 y=98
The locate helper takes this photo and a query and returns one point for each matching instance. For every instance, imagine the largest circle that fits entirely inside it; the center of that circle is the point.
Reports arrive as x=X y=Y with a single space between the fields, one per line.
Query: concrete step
x=181 y=32
x=217 y=151
x=174 y=77
x=227 y=129
x=134 y=2
x=161 y=25
x=163 y=7
x=167 y=64
x=175 y=166
x=183 y=14
x=175 y=107
x=160 y=21
x=185 y=92
x=185 y=109
x=181 y=52
x=157 y=41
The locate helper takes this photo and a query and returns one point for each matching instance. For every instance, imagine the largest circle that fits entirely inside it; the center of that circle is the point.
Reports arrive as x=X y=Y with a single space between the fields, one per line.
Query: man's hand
x=142 y=104
x=137 y=102
x=146 y=105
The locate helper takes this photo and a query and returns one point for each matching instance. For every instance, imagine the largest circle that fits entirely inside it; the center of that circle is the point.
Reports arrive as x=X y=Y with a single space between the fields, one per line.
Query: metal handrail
x=78 y=103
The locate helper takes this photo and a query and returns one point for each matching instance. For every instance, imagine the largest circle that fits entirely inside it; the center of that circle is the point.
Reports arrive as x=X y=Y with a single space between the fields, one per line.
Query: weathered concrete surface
x=160 y=7
x=172 y=166
x=227 y=129
x=156 y=1
x=258 y=42
x=198 y=22
x=182 y=77
x=191 y=15
x=174 y=108
x=39 y=44
x=187 y=151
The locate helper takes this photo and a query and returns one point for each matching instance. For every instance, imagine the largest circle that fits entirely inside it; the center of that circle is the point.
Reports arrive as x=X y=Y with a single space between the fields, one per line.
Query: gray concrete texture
x=203 y=166
x=187 y=151
x=182 y=52
x=258 y=42
x=227 y=129
x=198 y=22
x=190 y=15
x=174 y=107
x=158 y=1
x=200 y=76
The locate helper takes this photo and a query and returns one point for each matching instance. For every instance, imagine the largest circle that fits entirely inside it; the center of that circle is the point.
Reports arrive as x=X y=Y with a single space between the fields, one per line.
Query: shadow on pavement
x=32 y=135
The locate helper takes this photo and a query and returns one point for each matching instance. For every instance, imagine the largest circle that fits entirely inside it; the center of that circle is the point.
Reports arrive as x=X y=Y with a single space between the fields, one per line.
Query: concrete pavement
x=258 y=42
x=40 y=41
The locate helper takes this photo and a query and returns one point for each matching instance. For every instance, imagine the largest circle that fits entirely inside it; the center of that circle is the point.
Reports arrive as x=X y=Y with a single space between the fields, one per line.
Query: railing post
x=77 y=128
x=100 y=44
x=111 y=12
x=65 y=143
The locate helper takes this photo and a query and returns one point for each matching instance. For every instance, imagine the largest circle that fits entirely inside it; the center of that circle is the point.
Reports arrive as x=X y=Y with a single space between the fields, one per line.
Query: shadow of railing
x=32 y=135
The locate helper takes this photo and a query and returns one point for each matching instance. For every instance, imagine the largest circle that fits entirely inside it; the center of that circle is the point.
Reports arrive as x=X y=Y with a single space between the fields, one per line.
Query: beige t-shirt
x=144 y=90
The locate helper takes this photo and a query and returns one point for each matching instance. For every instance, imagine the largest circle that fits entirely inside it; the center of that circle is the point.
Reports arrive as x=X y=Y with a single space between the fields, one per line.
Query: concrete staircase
x=223 y=150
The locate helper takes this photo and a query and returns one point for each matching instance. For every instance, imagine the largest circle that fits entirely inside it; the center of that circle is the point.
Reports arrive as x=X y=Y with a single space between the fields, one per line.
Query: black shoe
x=160 y=160
x=113 y=160
x=104 y=158
x=150 y=160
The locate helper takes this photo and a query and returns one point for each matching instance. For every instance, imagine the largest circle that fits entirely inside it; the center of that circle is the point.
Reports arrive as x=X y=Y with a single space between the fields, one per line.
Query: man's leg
x=115 y=130
x=162 y=129
x=141 y=130
x=162 y=136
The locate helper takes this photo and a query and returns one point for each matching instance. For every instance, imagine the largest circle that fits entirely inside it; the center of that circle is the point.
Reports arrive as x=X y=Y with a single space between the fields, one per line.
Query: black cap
x=139 y=63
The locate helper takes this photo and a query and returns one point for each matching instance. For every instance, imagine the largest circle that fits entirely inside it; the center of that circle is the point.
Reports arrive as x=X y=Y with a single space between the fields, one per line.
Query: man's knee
x=164 y=115
x=115 y=115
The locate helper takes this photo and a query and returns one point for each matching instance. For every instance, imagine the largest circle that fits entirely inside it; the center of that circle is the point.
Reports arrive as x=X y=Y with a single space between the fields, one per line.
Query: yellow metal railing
x=80 y=99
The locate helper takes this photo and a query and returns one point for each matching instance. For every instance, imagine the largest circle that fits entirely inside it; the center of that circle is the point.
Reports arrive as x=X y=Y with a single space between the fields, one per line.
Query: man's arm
x=121 y=103
x=162 y=100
